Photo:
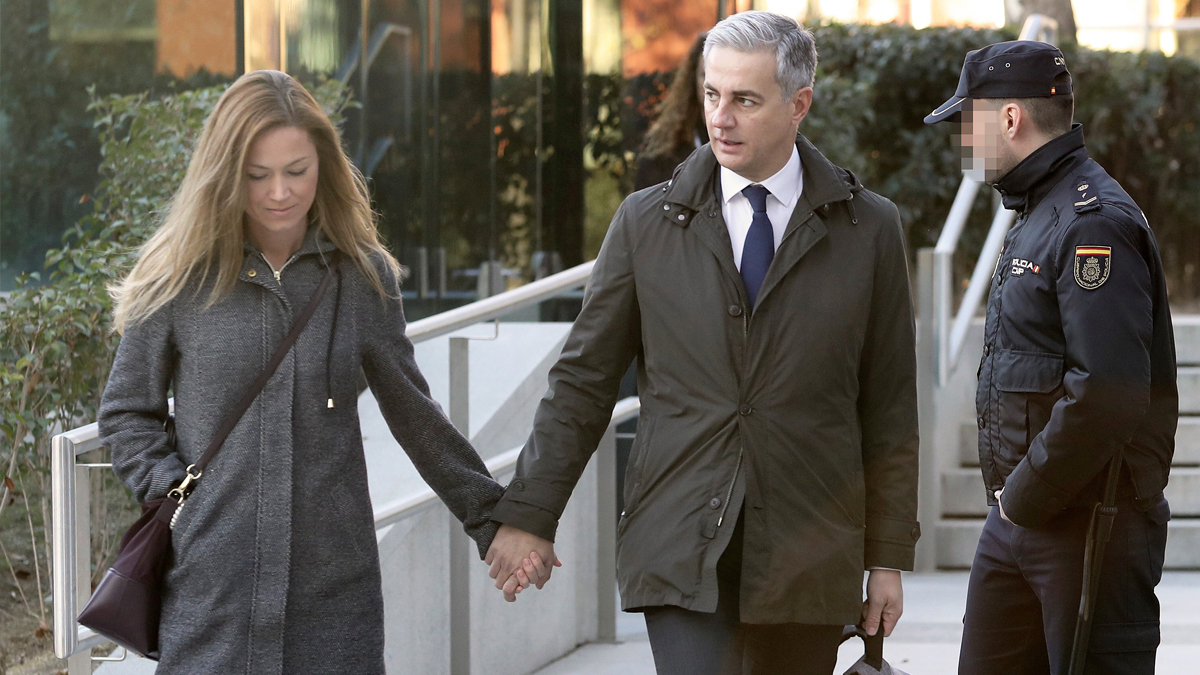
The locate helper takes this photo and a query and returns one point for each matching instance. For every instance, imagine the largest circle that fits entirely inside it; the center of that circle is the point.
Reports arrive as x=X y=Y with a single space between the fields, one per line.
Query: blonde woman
x=275 y=562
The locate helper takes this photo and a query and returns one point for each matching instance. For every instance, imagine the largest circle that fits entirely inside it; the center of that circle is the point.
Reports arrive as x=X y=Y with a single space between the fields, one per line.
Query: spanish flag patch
x=1092 y=266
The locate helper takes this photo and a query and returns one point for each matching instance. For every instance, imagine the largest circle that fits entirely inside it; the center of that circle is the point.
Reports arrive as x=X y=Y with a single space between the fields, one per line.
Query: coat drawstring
x=850 y=206
x=337 y=304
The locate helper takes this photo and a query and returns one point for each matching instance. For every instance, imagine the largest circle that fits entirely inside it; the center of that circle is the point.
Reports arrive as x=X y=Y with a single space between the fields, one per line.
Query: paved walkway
x=927 y=638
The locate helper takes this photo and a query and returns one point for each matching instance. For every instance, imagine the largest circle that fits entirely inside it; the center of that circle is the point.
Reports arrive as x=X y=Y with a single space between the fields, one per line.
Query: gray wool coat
x=275 y=565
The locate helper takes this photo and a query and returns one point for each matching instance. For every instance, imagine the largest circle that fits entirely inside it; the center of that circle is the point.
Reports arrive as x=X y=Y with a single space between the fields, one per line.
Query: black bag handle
x=194 y=471
x=872 y=644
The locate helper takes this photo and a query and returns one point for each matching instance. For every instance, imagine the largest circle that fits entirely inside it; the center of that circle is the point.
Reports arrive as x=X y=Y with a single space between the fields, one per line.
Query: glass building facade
x=497 y=135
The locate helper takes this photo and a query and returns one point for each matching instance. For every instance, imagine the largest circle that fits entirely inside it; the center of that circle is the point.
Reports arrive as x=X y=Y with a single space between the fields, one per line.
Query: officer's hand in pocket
x=1002 y=515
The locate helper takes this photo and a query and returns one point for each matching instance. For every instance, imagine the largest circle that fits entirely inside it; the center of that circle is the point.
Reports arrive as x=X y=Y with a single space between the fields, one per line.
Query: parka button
x=735 y=310
x=518 y=486
x=714 y=503
x=986 y=350
x=982 y=424
x=666 y=207
x=745 y=410
x=252 y=273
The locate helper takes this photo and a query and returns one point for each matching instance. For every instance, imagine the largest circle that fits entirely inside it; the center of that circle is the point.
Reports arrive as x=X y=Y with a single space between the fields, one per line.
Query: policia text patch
x=1092 y=265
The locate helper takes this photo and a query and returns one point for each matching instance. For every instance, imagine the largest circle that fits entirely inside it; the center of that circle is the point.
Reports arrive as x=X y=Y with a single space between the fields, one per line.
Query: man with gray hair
x=765 y=295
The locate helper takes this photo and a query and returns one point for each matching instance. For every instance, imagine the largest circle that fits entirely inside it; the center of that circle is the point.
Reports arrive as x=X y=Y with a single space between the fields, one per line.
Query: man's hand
x=1001 y=504
x=519 y=560
x=885 y=601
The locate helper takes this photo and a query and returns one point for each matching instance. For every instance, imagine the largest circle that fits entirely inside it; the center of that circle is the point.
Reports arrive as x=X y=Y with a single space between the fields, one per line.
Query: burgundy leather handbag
x=127 y=603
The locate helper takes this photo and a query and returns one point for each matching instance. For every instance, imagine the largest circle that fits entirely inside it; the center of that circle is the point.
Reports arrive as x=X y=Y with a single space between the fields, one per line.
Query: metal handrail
x=956 y=219
x=980 y=280
x=417 y=503
x=68 y=445
x=69 y=512
x=501 y=304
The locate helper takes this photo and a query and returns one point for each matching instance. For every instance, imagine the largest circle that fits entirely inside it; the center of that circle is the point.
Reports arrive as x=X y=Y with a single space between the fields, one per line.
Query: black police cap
x=1017 y=69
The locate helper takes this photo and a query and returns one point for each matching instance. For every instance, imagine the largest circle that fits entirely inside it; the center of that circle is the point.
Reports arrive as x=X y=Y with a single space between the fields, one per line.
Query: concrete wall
x=508 y=378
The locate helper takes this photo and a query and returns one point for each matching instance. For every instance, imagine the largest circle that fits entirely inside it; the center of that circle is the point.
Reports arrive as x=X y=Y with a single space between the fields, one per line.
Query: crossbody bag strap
x=195 y=470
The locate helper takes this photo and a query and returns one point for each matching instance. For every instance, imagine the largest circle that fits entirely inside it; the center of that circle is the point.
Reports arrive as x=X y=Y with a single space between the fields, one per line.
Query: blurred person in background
x=679 y=128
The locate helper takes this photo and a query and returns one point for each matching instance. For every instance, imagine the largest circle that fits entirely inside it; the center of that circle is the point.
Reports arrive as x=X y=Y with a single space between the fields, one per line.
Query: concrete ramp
x=508 y=378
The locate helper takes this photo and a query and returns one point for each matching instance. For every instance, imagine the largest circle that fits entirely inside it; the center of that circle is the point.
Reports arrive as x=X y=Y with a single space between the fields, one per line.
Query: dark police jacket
x=1079 y=354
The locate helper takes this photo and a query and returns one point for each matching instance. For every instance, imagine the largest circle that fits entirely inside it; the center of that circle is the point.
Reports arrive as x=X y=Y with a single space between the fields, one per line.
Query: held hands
x=519 y=560
x=885 y=601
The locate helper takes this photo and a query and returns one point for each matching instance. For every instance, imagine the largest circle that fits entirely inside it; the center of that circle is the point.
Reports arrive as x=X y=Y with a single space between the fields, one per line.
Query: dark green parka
x=801 y=411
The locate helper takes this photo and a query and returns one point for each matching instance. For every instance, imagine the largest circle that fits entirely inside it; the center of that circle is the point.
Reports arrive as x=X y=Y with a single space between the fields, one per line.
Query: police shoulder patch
x=1086 y=198
x=1092 y=266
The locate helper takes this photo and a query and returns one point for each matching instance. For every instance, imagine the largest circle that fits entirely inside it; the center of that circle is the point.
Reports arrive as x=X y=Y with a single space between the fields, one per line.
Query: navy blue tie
x=759 y=249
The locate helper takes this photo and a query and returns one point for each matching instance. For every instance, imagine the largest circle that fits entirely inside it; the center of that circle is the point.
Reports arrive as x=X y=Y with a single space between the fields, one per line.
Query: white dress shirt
x=785 y=188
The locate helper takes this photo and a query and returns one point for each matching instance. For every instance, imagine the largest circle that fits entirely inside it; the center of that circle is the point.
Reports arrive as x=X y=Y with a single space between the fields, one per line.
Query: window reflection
x=52 y=53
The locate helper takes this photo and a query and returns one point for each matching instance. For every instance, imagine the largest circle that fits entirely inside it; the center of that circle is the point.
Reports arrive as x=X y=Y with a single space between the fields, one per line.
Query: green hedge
x=1139 y=110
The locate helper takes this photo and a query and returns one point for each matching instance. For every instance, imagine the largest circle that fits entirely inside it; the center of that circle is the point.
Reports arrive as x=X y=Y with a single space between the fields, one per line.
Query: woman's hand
x=518 y=560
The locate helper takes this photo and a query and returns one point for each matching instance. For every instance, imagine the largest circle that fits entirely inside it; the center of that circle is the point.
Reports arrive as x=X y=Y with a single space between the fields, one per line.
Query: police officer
x=1078 y=368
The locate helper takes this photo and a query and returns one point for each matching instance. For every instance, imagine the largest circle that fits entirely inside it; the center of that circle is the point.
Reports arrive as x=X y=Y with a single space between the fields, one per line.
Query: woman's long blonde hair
x=202 y=233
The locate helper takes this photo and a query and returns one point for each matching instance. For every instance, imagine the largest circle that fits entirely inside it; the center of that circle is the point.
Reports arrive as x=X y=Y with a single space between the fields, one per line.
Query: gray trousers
x=699 y=643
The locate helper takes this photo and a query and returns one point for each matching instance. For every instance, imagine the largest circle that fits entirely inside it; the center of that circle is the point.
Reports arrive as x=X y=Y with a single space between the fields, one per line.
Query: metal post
x=1146 y=40
x=606 y=537
x=460 y=544
x=442 y=272
x=62 y=495
x=81 y=662
x=929 y=487
x=943 y=298
x=423 y=271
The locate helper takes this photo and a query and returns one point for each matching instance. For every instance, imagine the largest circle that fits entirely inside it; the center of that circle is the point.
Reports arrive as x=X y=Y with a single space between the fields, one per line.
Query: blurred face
x=281 y=178
x=984 y=138
x=751 y=127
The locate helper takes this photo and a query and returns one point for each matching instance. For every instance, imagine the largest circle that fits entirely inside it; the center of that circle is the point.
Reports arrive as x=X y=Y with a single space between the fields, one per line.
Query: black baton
x=1099 y=531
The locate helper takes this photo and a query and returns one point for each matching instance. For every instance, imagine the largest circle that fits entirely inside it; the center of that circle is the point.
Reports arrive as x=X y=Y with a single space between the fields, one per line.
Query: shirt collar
x=785 y=185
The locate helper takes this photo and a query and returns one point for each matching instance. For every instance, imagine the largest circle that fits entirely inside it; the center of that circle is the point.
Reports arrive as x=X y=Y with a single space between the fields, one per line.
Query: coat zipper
x=729 y=494
x=279 y=271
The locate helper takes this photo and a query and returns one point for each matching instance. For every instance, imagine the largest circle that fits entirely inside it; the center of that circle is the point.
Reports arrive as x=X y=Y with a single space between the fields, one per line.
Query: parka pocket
x=634 y=475
x=1028 y=372
x=1029 y=384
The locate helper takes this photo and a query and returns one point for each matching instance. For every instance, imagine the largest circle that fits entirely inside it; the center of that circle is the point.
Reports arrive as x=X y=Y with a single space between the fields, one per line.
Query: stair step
x=1187 y=443
x=963 y=493
x=968 y=444
x=1187 y=339
x=957 y=539
x=1189 y=390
